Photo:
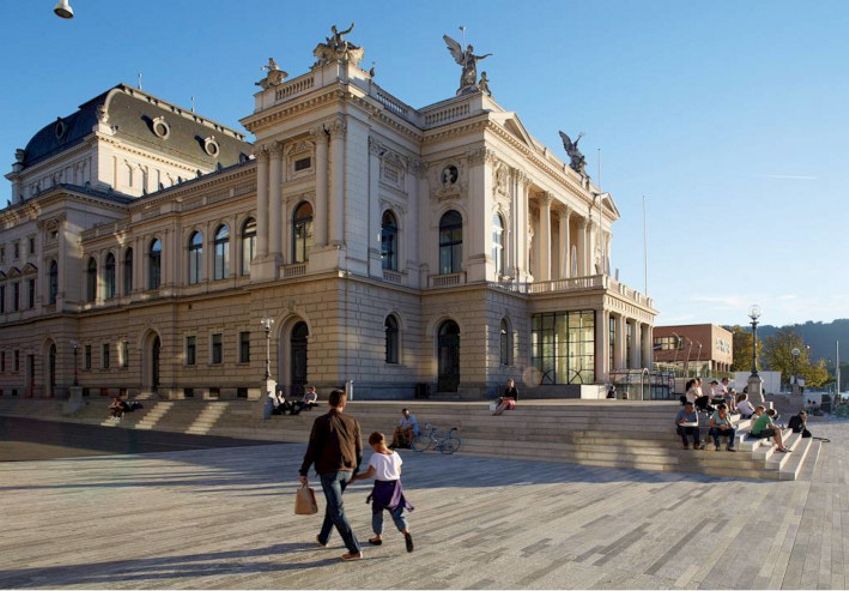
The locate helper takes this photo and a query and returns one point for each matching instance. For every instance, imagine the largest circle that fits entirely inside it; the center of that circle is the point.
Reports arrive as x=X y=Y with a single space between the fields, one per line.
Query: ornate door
x=298 y=365
x=448 y=357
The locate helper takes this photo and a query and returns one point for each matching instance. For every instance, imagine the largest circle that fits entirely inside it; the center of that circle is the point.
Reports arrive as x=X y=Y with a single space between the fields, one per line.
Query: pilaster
x=319 y=135
x=275 y=198
x=564 y=249
x=336 y=205
x=545 y=237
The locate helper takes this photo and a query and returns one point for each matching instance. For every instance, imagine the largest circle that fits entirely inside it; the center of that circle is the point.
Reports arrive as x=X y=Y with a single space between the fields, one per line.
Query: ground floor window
x=563 y=347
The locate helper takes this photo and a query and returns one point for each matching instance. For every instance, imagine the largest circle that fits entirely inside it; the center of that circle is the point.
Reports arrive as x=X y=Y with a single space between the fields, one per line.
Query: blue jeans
x=397 y=516
x=717 y=433
x=333 y=484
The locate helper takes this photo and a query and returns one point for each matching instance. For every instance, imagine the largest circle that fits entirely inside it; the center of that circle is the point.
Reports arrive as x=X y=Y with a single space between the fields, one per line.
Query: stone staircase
x=611 y=433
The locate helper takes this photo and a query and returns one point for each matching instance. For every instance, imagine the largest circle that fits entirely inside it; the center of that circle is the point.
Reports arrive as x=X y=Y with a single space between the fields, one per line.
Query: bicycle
x=441 y=441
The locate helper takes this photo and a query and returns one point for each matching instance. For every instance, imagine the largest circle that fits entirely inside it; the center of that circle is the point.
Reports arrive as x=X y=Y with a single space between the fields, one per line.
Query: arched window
x=53 y=282
x=450 y=242
x=390 y=325
x=91 y=280
x=389 y=241
x=498 y=243
x=109 y=277
x=154 y=277
x=128 y=271
x=195 y=257
x=221 y=267
x=302 y=232
x=506 y=342
x=248 y=244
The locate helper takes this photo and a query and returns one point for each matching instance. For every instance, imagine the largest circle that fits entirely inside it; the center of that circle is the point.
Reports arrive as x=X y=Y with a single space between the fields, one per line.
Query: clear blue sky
x=731 y=117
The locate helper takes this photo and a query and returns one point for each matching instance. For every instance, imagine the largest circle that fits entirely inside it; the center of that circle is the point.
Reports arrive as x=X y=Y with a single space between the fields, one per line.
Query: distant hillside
x=820 y=336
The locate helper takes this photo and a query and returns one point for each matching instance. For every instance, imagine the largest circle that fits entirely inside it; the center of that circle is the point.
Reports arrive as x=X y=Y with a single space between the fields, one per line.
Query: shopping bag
x=305 y=503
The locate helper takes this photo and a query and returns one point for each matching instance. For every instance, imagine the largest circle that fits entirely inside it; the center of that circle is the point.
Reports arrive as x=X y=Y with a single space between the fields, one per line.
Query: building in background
x=391 y=245
x=693 y=349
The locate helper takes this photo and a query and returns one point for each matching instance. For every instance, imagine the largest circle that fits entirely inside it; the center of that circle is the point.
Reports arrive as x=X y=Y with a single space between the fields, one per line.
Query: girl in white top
x=385 y=467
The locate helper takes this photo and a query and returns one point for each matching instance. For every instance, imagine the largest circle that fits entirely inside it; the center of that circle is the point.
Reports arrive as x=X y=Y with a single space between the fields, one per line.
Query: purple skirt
x=388 y=494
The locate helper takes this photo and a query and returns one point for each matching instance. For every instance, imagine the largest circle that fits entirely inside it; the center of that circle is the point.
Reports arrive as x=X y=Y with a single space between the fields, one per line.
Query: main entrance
x=154 y=363
x=151 y=350
x=298 y=358
x=448 y=357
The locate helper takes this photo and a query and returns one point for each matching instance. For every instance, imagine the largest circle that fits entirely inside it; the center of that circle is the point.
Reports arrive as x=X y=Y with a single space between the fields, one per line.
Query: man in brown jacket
x=336 y=449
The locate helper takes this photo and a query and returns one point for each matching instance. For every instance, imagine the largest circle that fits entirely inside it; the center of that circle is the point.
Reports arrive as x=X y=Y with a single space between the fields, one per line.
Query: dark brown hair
x=376 y=438
x=336 y=398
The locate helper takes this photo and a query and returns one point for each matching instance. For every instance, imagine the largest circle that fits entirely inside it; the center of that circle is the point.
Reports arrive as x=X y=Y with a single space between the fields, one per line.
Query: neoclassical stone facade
x=392 y=246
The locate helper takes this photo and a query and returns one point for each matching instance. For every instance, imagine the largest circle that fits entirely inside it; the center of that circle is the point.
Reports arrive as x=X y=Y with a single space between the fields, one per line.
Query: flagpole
x=645 y=252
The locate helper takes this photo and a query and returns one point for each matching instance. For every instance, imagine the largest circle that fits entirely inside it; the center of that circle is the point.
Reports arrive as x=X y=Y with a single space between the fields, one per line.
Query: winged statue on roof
x=578 y=162
x=468 y=60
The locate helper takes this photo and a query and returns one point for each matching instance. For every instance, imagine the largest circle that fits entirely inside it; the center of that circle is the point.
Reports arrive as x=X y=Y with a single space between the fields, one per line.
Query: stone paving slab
x=222 y=518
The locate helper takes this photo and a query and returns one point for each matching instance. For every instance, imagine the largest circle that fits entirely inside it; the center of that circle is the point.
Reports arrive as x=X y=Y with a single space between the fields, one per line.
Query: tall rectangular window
x=191 y=350
x=105 y=356
x=87 y=362
x=2 y=299
x=17 y=360
x=629 y=335
x=31 y=293
x=2 y=361
x=16 y=296
x=32 y=245
x=563 y=347
x=611 y=323
x=217 y=352
x=125 y=354
x=244 y=347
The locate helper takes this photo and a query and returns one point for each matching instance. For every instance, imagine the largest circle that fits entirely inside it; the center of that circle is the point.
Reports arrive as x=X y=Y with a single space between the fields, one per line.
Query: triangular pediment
x=29 y=268
x=610 y=206
x=512 y=123
x=14 y=272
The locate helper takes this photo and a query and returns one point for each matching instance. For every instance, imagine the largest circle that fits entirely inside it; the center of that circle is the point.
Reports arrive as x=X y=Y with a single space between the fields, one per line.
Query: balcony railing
x=447 y=280
x=574 y=284
x=296 y=270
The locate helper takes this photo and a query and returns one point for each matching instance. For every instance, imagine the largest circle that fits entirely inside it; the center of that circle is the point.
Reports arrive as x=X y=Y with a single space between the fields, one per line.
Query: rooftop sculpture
x=336 y=49
x=469 y=61
x=578 y=162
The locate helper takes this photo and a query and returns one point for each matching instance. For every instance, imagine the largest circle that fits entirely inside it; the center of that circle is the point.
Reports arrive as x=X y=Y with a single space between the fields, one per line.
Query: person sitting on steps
x=687 y=424
x=720 y=426
x=763 y=427
x=508 y=399
x=406 y=431
x=744 y=407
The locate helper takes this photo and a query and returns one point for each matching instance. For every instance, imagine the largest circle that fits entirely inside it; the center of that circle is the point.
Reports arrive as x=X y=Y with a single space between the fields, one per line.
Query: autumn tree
x=778 y=356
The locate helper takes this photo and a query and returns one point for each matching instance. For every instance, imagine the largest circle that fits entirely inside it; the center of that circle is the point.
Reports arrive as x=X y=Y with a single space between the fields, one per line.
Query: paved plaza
x=223 y=518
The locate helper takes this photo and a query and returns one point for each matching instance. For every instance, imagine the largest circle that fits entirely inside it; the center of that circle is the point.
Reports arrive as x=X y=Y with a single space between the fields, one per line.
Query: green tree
x=778 y=356
x=741 y=340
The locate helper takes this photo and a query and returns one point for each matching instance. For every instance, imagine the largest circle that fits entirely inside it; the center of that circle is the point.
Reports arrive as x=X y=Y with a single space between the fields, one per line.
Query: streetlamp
x=678 y=345
x=76 y=347
x=795 y=352
x=754 y=315
x=687 y=361
x=63 y=9
x=266 y=324
x=699 y=359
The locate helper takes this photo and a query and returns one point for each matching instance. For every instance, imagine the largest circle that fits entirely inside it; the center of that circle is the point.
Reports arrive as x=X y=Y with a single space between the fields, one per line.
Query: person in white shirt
x=388 y=493
x=744 y=407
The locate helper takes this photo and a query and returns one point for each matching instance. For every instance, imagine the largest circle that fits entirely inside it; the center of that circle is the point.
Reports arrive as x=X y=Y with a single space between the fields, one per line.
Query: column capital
x=261 y=152
x=522 y=177
x=582 y=222
x=337 y=127
x=276 y=149
x=545 y=199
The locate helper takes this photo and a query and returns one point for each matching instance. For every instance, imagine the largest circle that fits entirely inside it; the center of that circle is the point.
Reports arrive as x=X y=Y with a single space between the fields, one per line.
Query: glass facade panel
x=563 y=347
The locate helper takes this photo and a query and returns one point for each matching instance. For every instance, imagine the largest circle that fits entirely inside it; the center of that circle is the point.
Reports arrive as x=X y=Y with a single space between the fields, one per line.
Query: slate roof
x=131 y=113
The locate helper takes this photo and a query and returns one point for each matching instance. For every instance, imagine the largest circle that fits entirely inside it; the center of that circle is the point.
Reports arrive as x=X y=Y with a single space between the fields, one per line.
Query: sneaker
x=730 y=449
x=320 y=543
x=348 y=556
x=408 y=540
x=375 y=541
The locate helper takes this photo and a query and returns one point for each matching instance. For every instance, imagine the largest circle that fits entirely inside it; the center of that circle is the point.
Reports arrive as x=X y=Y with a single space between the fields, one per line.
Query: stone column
x=374 y=218
x=621 y=337
x=523 y=268
x=602 y=346
x=139 y=257
x=274 y=200
x=336 y=203
x=581 y=243
x=589 y=249
x=636 y=345
x=545 y=237
x=262 y=203
x=565 y=251
x=320 y=219
x=648 y=345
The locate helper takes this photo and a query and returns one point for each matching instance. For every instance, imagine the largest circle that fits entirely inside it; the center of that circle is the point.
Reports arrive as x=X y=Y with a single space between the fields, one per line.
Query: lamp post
x=677 y=348
x=266 y=324
x=754 y=315
x=76 y=347
x=699 y=358
x=687 y=360
x=63 y=9
x=795 y=352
